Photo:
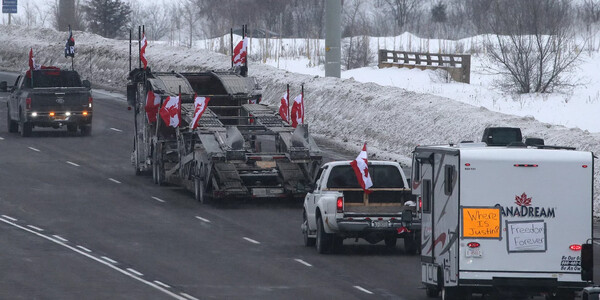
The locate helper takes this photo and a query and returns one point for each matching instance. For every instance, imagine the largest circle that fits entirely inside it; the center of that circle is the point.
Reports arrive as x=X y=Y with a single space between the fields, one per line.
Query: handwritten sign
x=526 y=236
x=481 y=222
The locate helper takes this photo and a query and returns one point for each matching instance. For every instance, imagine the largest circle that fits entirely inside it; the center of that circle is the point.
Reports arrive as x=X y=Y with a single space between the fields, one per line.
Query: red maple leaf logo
x=523 y=200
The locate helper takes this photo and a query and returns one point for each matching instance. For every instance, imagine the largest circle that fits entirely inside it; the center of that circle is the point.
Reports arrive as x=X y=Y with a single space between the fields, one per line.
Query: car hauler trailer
x=503 y=219
x=239 y=149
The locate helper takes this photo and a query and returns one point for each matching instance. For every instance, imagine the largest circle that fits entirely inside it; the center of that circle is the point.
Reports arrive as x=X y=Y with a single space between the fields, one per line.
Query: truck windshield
x=383 y=176
x=54 y=78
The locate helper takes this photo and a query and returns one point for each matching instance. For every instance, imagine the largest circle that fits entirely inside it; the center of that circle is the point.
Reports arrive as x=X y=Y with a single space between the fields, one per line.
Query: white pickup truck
x=338 y=208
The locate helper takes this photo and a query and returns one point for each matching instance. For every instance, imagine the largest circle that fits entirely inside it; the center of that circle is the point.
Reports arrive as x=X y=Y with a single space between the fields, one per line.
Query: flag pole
x=140 y=46
x=73 y=56
x=288 y=103
x=245 y=68
x=302 y=93
x=129 y=50
x=231 y=36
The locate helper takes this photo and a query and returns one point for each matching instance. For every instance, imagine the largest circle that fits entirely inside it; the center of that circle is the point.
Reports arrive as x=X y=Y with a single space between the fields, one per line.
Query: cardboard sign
x=481 y=222
x=526 y=236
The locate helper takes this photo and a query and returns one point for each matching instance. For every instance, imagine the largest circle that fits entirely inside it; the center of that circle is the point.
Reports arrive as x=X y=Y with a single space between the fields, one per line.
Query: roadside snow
x=392 y=120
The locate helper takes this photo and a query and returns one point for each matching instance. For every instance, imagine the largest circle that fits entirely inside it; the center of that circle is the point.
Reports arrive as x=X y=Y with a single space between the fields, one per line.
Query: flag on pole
x=361 y=169
x=32 y=64
x=70 y=45
x=298 y=111
x=240 y=53
x=152 y=106
x=171 y=111
x=284 y=107
x=143 y=51
x=200 y=104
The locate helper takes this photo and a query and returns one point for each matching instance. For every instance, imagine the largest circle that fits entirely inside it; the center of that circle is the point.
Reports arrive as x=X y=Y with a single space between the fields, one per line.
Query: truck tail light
x=90 y=101
x=473 y=245
x=340 y=204
x=28 y=103
x=85 y=113
x=420 y=203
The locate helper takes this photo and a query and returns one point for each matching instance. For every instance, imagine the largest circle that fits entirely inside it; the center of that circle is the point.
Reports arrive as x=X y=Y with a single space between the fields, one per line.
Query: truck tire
x=308 y=241
x=410 y=245
x=390 y=241
x=199 y=194
x=86 y=130
x=323 y=242
x=26 y=128
x=10 y=124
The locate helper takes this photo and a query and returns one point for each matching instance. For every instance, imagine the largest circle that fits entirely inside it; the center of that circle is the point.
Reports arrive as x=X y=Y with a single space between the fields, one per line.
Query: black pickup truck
x=49 y=98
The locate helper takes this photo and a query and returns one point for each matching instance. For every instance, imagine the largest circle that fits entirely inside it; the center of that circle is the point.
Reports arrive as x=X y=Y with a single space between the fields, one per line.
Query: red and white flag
x=298 y=111
x=361 y=169
x=32 y=64
x=200 y=104
x=240 y=53
x=143 y=51
x=284 y=107
x=171 y=111
x=152 y=106
x=403 y=229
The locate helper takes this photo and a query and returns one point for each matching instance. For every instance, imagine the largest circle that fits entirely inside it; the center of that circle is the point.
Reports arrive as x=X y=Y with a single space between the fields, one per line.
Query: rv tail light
x=473 y=245
x=340 y=204
x=467 y=164
x=28 y=103
x=584 y=166
x=575 y=247
x=526 y=165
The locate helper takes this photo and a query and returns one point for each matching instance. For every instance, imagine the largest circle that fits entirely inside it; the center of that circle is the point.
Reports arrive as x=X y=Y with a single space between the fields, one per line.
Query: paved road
x=76 y=223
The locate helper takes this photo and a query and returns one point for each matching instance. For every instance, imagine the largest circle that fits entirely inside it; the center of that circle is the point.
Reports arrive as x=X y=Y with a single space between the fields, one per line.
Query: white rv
x=504 y=220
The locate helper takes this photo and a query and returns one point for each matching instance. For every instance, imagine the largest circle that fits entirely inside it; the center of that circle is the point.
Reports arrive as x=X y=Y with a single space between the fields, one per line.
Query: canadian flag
x=361 y=169
x=200 y=104
x=298 y=111
x=171 y=111
x=32 y=64
x=143 y=51
x=152 y=106
x=403 y=229
x=284 y=107
x=239 y=53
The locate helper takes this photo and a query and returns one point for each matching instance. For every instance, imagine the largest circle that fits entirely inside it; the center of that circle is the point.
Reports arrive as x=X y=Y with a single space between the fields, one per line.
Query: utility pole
x=333 y=37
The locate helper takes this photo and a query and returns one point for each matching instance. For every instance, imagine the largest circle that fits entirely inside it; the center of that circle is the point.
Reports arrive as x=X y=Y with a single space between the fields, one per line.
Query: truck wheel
x=86 y=130
x=410 y=245
x=390 y=241
x=26 y=128
x=199 y=190
x=10 y=124
x=432 y=291
x=308 y=241
x=323 y=241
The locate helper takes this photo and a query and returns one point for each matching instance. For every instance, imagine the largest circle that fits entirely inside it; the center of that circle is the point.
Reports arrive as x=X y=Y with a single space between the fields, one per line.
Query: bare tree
x=402 y=11
x=68 y=12
x=533 y=43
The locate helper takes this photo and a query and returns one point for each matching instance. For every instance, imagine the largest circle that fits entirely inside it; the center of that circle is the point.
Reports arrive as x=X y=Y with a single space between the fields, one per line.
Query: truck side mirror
x=587 y=262
x=3 y=86
x=87 y=84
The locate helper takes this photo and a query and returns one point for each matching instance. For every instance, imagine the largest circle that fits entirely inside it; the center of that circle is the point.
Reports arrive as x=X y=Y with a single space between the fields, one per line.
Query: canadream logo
x=524 y=209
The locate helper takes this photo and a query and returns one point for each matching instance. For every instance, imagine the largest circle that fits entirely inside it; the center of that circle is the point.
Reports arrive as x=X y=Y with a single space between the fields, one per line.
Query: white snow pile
x=391 y=120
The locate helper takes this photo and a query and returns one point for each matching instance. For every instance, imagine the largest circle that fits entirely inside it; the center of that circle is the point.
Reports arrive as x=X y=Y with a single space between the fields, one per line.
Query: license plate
x=267 y=192
x=379 y=224
x=471 y=252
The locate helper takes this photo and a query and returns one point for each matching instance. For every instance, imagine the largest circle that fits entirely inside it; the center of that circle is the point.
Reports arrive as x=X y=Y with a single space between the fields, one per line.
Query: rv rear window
x=448 y=179
x=426 y=195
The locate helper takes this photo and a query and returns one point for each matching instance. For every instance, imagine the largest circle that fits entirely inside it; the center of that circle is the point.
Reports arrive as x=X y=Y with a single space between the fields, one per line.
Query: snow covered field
x=392 y=110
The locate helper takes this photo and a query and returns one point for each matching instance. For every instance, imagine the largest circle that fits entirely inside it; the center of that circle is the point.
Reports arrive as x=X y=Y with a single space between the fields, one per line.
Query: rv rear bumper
x=522 y=285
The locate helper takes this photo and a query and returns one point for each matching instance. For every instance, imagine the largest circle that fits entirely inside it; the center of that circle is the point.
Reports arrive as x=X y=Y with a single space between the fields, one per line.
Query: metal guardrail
x=458 y=66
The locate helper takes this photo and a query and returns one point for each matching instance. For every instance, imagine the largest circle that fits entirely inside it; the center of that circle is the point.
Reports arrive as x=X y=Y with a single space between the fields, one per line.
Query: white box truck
x=507 y=220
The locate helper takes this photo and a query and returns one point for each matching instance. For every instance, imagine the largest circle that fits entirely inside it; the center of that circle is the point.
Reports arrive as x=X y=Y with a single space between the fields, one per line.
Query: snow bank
x=391 y=120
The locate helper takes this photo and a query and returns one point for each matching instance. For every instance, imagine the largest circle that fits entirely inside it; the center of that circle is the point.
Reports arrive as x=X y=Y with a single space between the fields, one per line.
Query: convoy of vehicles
x=240 y=148
x=49 y=98
x=338 y=208
x=501 y=217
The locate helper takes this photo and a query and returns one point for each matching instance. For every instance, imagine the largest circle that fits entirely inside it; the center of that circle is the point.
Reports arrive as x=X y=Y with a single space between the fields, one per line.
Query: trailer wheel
x=308 y=241
x=323 y=241
x=432 y=291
